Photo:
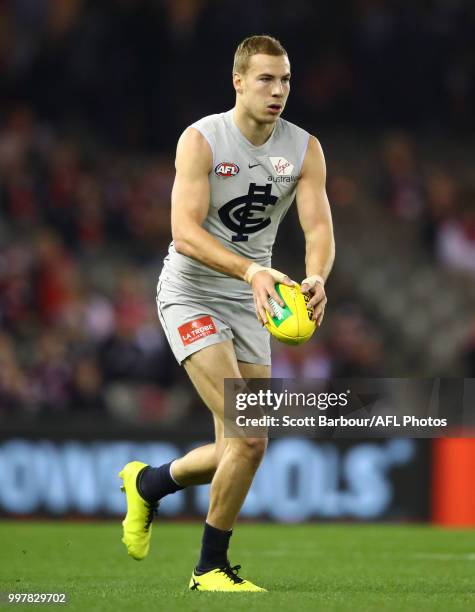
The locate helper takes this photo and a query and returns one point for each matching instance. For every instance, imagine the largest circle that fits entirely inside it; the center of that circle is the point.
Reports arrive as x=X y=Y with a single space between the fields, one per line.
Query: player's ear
x=237 y=82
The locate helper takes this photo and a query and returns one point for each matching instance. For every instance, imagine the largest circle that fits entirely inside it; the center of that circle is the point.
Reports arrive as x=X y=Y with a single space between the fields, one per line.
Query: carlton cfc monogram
x=238 y=214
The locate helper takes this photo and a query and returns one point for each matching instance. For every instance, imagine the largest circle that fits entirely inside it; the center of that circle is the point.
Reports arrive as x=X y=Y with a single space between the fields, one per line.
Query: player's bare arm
x=316 y=221
x=190 y=204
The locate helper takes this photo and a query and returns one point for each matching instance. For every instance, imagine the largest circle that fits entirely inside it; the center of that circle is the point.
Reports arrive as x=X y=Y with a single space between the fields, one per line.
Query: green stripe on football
x=293 y=323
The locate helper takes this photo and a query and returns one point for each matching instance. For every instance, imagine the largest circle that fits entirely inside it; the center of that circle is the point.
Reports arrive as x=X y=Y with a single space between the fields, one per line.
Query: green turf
x=306 y=567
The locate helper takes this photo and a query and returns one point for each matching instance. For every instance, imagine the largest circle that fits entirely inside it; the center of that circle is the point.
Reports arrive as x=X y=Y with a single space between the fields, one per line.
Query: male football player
x=237 y=173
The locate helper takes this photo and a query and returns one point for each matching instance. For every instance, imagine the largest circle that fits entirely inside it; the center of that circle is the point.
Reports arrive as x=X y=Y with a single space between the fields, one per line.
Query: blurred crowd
x=437 y=195
x=135 y=71
x=94 y=96
x=77 y=236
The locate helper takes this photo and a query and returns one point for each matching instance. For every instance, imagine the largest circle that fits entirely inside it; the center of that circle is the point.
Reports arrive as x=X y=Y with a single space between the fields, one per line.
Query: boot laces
x=232 y=573
x=152 y=509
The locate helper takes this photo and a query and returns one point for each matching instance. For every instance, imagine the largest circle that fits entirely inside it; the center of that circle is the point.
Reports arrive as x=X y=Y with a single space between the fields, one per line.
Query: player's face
x=264 y=88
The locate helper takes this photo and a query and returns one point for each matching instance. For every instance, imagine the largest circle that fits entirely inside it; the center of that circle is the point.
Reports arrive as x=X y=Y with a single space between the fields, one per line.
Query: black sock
x=214 y=549
x=155 y=483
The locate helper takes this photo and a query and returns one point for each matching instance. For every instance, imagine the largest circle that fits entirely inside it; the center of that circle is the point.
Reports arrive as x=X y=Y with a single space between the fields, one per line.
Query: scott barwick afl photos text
x=237 y=174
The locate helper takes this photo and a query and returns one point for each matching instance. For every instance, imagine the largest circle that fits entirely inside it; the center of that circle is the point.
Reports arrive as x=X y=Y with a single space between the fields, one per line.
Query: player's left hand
x=313 y=287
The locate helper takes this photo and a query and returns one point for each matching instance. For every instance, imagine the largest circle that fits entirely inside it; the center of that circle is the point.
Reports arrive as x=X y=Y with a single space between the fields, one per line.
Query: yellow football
x=293 y=323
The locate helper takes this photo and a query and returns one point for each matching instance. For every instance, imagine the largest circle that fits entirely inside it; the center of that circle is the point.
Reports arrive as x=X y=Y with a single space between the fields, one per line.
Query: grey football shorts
x=192 y=321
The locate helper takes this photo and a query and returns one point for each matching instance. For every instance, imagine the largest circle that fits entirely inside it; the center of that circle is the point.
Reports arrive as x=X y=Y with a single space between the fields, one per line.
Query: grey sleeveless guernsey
x=251 y=189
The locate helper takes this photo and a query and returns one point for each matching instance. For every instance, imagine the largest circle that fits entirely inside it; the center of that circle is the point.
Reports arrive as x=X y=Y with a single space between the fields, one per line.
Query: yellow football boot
x=224 y=579
x=138 y=520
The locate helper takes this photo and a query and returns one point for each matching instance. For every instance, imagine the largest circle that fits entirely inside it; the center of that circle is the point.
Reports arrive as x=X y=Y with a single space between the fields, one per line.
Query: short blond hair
x=252 y=46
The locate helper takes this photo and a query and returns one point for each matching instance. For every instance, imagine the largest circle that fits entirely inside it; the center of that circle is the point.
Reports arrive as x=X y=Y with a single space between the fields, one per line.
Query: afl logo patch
x=226 y=169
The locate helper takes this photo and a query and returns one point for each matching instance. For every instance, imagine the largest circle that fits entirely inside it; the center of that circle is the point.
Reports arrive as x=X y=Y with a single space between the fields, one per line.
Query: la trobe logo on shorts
x=196 y=329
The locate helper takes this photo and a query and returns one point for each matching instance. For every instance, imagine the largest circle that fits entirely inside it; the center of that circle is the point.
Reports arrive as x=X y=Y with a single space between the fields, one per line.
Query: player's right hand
x=263 y=286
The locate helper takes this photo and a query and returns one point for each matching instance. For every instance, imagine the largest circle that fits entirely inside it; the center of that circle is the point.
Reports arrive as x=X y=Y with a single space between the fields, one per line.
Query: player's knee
x=252 y=449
